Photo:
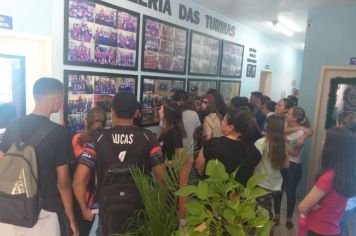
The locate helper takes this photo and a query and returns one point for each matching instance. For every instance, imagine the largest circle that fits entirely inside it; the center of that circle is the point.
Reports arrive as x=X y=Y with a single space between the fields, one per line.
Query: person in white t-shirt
x=273 y=158
x=295 y=118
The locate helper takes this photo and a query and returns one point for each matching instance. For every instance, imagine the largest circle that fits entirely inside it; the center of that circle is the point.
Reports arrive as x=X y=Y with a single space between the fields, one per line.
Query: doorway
x=13 y=88
x=266 y=82
x=328 y=73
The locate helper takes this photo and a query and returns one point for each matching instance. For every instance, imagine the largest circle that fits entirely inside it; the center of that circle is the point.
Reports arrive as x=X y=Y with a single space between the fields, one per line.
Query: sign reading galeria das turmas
x=190 y=15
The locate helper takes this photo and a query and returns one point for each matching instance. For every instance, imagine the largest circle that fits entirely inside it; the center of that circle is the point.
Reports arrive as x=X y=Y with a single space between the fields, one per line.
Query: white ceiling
x=258 y=14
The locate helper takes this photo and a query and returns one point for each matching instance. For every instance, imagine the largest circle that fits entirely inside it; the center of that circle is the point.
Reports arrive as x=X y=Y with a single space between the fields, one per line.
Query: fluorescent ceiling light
x=288 y=24
x=282 y=29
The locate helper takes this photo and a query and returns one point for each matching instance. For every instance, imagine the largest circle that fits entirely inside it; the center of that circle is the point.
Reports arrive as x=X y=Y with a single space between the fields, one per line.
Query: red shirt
x=332 y=206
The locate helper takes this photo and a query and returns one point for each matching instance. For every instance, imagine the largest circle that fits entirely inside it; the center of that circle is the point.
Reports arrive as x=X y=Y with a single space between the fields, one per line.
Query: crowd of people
x=255 y=135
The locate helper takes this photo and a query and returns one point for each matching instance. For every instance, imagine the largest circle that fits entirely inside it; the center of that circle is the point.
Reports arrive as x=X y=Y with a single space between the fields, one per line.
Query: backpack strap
x=36 y=138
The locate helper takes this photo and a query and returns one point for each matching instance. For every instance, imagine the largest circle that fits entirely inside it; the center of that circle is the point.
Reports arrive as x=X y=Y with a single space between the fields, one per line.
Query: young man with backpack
x=117 y=150
x=40 y=201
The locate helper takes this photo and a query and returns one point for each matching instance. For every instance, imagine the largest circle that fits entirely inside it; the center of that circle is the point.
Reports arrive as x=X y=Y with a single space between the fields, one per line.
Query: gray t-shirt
x=191 y=122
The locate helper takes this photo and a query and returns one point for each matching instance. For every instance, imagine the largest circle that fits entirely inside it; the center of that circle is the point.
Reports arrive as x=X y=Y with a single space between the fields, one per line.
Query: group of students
x=255 y=136
x=262 y=136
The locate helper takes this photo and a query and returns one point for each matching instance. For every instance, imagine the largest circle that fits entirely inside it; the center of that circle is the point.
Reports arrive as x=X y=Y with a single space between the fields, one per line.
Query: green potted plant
x=219 y=205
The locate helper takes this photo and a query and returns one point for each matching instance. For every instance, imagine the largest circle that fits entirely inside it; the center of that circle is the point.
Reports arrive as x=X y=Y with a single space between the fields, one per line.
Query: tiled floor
x=281 y=229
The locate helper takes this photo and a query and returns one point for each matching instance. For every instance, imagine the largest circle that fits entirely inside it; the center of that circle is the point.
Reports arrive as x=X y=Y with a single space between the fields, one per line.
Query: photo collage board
x=231 y=60
x=154 y=92
x=164 y=46
x=229 y=89
x=204 y=54
x=100 y=34
x=198 y=87
x=87 y=90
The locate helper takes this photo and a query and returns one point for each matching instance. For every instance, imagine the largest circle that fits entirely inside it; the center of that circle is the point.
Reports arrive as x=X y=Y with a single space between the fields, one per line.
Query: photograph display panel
x=164 y=46
x=229 y=89
x=204 y=54
x=100 y=34
x=198 y=87
x=232 y=58
x=154 y=92
x=86 y=90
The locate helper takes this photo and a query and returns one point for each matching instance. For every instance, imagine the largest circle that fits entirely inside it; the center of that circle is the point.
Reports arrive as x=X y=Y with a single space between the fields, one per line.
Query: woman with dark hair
x=325 y=203
x=273 y=158
x=219 y=101
x=173 y=132
x=84 y=176
x=212 y=121
x=235 y=149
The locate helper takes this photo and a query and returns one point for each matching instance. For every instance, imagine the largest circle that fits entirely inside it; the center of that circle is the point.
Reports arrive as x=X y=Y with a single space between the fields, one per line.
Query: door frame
x=21 y=82
x=269 y=81
x=327 y=73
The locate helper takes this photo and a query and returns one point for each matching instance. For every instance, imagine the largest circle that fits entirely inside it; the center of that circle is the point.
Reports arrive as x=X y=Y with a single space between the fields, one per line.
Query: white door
x=266 y=82
x=327 y=73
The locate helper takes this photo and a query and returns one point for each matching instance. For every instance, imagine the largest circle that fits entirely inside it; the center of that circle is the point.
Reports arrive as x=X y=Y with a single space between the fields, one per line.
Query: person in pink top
x=325 y=203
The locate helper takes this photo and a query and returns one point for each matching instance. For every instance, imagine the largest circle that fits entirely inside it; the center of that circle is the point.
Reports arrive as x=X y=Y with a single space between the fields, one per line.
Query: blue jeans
x=291 y=177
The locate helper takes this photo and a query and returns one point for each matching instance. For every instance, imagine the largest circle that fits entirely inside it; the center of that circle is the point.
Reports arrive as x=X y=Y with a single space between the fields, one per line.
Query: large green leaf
x=259 y=221
x=194 y=207
x=216 y=170
x=235 y=230
x=186 y=191
x=258 y=192
x=264 y=231
x=196 y=219
x=229 y=215
x=254 y=180
x=247 y=212
x=202 y=190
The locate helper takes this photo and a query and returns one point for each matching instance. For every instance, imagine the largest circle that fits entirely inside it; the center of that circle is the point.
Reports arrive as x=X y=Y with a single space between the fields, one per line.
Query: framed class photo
x=154 y=92
x=164 y=46
x=100 y=34
x=85 y=90
x=231 y=60
x=204 y=54
x=198 y=87
x=229 y=89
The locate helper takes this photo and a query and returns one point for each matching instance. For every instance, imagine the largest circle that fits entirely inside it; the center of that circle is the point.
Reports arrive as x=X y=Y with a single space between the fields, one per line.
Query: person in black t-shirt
x=116 y=150
x=236 y=149
x=54 y=153
x=173 y=132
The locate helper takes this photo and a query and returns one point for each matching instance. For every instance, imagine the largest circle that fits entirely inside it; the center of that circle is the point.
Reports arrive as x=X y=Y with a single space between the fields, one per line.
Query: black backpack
x=118 y=195
x=20 y=200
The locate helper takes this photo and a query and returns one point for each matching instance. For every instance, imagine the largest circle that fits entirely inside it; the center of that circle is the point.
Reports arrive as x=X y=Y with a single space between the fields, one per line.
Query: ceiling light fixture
x=282 y=28
x=289 y=24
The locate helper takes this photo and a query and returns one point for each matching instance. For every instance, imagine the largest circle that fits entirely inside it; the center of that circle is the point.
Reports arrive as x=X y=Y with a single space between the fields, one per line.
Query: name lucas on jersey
x=122 y=138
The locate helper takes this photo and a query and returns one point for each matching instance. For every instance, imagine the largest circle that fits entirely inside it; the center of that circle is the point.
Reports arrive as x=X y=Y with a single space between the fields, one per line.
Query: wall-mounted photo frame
x=231 y=60
x=164 y=46
x=85 y=90
x=229 y=89
x=100 y=34
x=198 y=87
x=342 y=97
x=204 y=54
x=251 y=71
x=154 y=92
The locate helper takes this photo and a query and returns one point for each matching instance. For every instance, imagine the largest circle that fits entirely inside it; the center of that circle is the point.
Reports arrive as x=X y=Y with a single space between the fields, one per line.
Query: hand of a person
x=74 y=228
x=87 y=215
